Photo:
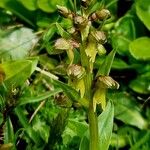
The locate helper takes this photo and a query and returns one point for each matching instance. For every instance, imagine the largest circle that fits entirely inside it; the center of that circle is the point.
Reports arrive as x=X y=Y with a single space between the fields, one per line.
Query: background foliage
x=33 y=109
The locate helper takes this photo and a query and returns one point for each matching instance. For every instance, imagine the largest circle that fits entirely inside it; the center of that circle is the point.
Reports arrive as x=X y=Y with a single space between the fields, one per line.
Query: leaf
x=16 y=44
x=141 y=84
x=27 y=127
x=105 y=124
x=123 y=33
x=45 y=5
x=18 y=71
x=49 y=33
x=142 y=10
x=17 y=8
x=127 y=111
x=61 y=31
x=29 y=4
x=71 y=93
x=104 y=69
x=79 y=128
x=49 y=5
x=84 y=144
x=139 y=48
x=41 y=97
x=9 y=132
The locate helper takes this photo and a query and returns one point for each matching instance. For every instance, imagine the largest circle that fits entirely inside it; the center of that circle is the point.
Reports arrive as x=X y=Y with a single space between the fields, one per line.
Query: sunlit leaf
x=29 y=4
x=143 y=11
x=105 y=124
x=104 y=69
x=139 y=48
x=127 y=111
x=18 y=71
x=16 y=44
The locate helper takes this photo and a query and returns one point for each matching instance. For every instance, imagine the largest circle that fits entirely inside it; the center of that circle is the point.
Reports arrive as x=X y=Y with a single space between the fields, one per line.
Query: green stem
x=88 y=79
x=93 y=127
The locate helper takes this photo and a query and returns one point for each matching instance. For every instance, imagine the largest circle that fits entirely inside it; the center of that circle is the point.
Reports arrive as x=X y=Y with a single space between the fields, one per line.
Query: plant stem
x=88 y=79
x=93 y=127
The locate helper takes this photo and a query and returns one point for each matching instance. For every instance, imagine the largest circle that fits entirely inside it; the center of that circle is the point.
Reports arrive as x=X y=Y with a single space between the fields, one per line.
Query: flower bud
x=65 y=12
x=100 y=15
x=99 y=36
x=80 y=21
x=103 y=14
x=62 y=44
x=101 y=49
x=108 y=82
x=76 y=71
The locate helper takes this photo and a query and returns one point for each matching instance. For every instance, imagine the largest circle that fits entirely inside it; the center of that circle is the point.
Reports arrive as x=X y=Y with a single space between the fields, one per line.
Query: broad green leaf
x=141 y=84
x=71 y=93
x=16 y=44
x=104 y=69
x=49 y=5
x=9 y=132
x=41 y=97
x=105 y=124
x=18 y=71
x=29 y=4
x=127 y=111
x=3 y=3
x=143 y=11
x=123 y=33
x=139 y=48
x=45 y=5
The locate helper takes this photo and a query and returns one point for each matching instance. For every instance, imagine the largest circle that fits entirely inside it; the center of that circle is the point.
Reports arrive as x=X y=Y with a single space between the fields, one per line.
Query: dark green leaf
x=17 y=8
x=123 y=33
x=141 y=84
